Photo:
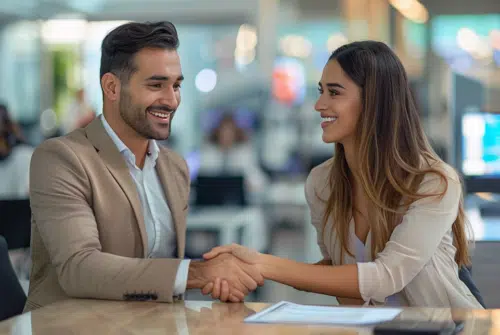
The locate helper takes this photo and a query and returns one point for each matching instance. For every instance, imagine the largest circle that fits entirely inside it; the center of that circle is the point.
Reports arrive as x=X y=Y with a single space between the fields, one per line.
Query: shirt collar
x=153 y=148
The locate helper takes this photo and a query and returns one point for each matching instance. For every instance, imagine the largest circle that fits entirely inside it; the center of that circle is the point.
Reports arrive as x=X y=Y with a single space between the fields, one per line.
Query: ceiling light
x=411 y=9
x=467 y=39
x=335 y=41
x=247 y=37
x=296 y=46
x=206 y=80
x=62 y=31
x=244 y=57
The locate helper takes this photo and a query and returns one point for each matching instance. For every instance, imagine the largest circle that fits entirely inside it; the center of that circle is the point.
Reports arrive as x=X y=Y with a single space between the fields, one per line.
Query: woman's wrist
x=264 y=264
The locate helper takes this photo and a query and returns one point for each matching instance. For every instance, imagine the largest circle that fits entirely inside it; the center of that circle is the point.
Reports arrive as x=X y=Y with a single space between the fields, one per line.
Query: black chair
x=466 y=277
x=213 y=191
x=15 y=223
x=12 y=294
x=220 y=190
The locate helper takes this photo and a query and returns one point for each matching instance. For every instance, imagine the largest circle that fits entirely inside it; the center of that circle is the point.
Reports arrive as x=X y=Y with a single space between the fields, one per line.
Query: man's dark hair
x=122 y=43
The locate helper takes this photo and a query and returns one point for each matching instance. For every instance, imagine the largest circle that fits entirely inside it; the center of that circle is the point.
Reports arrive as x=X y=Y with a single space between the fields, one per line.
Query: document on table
x=287 y=312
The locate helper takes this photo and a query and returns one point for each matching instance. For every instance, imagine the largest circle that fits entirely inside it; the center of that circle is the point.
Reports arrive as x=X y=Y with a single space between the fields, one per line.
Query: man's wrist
x=195 y=275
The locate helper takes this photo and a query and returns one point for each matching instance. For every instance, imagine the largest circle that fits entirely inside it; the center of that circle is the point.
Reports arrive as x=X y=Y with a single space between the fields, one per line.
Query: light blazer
x=418 y=262
x=88 y=234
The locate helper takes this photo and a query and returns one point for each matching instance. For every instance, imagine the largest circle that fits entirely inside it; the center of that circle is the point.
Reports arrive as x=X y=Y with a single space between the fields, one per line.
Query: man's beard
x=135 y=117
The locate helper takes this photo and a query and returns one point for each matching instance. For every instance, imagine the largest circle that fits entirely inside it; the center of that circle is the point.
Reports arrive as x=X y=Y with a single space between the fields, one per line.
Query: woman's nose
x=319 y=105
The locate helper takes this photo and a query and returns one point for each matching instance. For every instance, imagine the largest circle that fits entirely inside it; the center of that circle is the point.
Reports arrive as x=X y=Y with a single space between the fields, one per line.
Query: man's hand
x=219 y=288
x=245 y=254
x=226 y=276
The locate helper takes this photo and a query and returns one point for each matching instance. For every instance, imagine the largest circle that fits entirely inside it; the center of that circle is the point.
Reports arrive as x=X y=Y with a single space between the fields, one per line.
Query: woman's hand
x=246 y=255
x=220 y=289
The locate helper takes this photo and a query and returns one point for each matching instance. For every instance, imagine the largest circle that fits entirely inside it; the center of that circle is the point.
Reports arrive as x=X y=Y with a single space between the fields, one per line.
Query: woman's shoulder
x=318 y=183
x=441 y=188
x=442 y=175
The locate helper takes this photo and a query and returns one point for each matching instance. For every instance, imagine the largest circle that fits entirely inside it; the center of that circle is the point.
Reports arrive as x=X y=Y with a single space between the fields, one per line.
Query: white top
x=417 y=265
x=238 y=160
x=15 y=173
x=157 y=215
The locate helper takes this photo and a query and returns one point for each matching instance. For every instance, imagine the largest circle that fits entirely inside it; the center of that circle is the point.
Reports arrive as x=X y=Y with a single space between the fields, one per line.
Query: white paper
x=287 y=312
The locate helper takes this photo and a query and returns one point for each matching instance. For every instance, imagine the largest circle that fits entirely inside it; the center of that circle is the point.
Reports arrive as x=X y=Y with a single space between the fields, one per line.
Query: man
x=109 y=205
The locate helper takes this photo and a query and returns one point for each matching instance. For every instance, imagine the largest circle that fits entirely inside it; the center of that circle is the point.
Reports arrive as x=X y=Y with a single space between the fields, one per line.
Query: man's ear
x=111 y=86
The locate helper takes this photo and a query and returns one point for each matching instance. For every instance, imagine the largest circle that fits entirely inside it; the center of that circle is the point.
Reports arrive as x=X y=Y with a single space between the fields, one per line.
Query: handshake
x=229 y=273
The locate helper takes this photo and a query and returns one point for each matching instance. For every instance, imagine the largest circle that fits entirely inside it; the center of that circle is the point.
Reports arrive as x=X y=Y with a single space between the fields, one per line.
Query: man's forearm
x=99 y=275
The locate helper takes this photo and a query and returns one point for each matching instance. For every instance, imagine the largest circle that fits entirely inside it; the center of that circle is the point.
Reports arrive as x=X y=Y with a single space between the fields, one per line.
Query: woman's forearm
x=339 y=281
x=324 y=261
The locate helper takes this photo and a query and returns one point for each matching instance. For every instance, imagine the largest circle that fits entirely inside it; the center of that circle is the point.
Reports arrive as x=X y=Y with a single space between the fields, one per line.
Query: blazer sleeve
x=60 y=195
x=413 y=242
x=316 y=209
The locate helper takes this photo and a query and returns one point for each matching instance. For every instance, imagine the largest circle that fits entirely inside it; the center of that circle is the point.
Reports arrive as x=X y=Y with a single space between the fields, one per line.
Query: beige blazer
x=417 y=265
x=88 y=234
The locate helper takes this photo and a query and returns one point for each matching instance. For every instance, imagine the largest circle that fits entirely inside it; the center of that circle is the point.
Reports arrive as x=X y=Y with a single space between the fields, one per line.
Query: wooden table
x=197 y=317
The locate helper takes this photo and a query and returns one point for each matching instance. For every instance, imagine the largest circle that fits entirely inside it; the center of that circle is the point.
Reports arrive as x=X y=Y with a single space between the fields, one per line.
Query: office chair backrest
x=12 y=294
x=466 y=277
x=220 y=190
x=15 y=222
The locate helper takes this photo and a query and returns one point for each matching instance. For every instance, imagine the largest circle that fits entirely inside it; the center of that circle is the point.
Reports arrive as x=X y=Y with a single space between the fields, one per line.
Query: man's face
x=150 y=98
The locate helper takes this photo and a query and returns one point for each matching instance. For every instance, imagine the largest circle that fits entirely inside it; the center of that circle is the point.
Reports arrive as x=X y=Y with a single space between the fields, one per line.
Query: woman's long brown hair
x=394 y=153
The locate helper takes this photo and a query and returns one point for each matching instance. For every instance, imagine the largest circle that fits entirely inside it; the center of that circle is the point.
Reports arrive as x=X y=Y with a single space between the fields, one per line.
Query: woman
x=388 y=212
x=228 y=151
x=15 y=159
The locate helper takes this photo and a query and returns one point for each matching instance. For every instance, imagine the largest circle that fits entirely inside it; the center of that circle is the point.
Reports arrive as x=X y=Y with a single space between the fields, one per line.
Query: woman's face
x=227 y=134
x=340 y=104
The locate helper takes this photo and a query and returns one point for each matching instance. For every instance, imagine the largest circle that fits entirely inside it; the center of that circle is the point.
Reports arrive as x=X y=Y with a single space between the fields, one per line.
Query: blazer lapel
x=172 y=192
x=117 y=166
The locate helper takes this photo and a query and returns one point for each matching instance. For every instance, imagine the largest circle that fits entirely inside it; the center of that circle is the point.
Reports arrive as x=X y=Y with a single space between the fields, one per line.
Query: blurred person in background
x=228 y=151
x=15 y=158
x=388 y=211
x=109 y=204
x=79 y=113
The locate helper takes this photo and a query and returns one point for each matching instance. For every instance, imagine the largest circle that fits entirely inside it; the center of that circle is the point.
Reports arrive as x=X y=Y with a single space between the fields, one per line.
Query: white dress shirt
x=159 y=227
x=417 y=267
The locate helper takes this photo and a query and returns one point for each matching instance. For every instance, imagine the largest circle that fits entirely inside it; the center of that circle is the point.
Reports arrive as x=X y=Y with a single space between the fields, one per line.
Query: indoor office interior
x=246 y=125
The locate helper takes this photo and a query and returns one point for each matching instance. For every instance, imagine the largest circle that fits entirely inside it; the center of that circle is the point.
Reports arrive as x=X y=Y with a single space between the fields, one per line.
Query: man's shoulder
x=76 y=137
x=73 y=143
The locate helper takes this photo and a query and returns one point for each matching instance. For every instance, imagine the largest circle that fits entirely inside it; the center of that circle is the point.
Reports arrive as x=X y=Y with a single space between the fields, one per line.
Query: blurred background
x=246 y=125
